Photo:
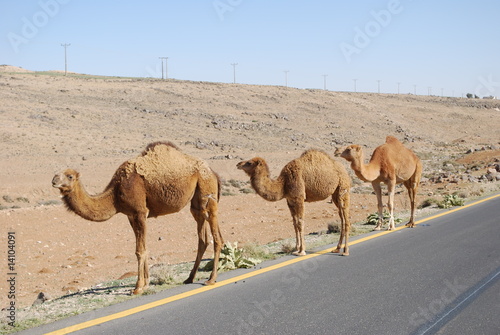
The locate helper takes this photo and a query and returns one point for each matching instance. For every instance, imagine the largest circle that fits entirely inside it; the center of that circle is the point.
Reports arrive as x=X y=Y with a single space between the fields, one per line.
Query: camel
x=162 y=180
x=391 y=163
x=314 y=176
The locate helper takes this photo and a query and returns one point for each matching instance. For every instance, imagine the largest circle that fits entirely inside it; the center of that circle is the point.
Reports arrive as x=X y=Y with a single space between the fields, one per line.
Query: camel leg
x=337 y=202
x=345 y=219
x=203 y=239
x=208 y=213
x=391 y=187
x=297 y=210
x=138 y=223
x=217 y=236
x=342 y=201
x=412 y=187
x=342 y=233
x=378 y=192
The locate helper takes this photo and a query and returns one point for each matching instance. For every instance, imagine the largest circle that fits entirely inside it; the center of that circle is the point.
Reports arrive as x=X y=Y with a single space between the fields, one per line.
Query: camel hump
x=161 y=162
x=314 y=153
x=151 y=146
x=391 y=140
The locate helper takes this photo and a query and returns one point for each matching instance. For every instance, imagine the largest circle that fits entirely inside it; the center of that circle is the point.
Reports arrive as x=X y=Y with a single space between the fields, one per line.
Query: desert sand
x=50 y=122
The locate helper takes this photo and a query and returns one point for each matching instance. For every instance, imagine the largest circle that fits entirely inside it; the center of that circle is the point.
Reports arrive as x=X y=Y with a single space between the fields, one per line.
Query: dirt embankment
x=49 y=123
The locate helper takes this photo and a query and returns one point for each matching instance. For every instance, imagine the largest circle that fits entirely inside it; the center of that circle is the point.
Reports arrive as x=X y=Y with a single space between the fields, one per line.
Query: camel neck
x=91 y=207
x=267 y=188
x=366 y=172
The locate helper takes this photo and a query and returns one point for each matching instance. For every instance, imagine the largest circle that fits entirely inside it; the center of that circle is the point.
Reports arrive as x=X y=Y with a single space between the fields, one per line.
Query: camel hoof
x=296 y=253
x=136 y=291
x=336 y=250
x=345 y=254
x=376 y=228
x=209 y=282
x=188 y=281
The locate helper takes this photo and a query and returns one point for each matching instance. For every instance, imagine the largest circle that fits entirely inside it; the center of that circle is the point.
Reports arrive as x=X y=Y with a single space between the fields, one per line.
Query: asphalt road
x=440 y=277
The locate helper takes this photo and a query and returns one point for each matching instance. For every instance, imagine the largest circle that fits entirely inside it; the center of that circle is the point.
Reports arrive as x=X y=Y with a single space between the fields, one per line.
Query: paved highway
x=441 y=277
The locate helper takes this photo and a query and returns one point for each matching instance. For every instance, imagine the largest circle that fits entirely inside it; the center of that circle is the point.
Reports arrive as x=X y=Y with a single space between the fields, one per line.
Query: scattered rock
x=42 y=297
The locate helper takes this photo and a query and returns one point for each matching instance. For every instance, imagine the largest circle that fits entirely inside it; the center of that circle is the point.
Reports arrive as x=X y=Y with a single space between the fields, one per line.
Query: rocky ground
x=50 y=122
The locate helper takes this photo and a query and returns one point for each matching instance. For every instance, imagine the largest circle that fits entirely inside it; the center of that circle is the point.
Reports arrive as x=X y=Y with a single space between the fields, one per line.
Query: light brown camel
x=391 y=163
x=314 y=176
x=161 y=181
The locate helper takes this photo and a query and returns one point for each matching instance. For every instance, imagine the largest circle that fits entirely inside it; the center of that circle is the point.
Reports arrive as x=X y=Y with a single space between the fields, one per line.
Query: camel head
x=352 y=153
x=250 y=165
x=65 y=180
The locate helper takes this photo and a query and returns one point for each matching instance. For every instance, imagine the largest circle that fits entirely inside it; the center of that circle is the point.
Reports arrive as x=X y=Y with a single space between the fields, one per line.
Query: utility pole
x=399 y=84
x=354 y=85
x=65 y=45
x=324 y=81
x=166 y=68
x=415 y=89
x=234 y=72
x=286 y=77
x=378 y=87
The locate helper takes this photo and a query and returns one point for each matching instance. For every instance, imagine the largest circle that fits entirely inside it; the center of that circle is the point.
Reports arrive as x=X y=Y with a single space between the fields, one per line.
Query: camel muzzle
x=56 y=182
x=241 y=165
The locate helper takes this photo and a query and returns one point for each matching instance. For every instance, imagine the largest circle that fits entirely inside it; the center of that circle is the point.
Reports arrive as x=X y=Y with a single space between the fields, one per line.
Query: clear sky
x=442 y=46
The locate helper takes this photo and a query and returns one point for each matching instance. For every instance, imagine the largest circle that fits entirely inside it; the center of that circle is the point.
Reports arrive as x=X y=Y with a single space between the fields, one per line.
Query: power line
x=65 y=45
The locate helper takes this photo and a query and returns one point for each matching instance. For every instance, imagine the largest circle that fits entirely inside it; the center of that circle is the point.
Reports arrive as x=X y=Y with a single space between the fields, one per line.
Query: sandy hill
x=49 y=122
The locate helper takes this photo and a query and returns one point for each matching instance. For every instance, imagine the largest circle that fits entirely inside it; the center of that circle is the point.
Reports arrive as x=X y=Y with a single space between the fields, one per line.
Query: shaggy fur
x=314 y=176
x=162 y=180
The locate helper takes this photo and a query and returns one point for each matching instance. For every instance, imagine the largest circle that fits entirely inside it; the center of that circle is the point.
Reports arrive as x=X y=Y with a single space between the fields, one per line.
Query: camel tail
x=417 y=175
x=219 y=185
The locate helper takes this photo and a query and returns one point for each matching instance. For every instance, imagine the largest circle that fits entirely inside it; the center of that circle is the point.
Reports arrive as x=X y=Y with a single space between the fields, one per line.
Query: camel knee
x=218 y=245
x=141 y=255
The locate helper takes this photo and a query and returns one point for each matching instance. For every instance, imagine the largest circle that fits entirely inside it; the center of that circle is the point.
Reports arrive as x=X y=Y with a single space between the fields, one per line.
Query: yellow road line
x=180 y=296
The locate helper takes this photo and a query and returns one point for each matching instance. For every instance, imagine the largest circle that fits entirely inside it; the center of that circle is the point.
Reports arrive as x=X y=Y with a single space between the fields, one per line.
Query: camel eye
x=248 y=164
x=70 y=176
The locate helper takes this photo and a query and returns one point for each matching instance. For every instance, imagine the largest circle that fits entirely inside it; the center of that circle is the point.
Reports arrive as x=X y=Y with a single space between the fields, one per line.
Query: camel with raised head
x=391 y=163
x=314 y=176
x=162 y=180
